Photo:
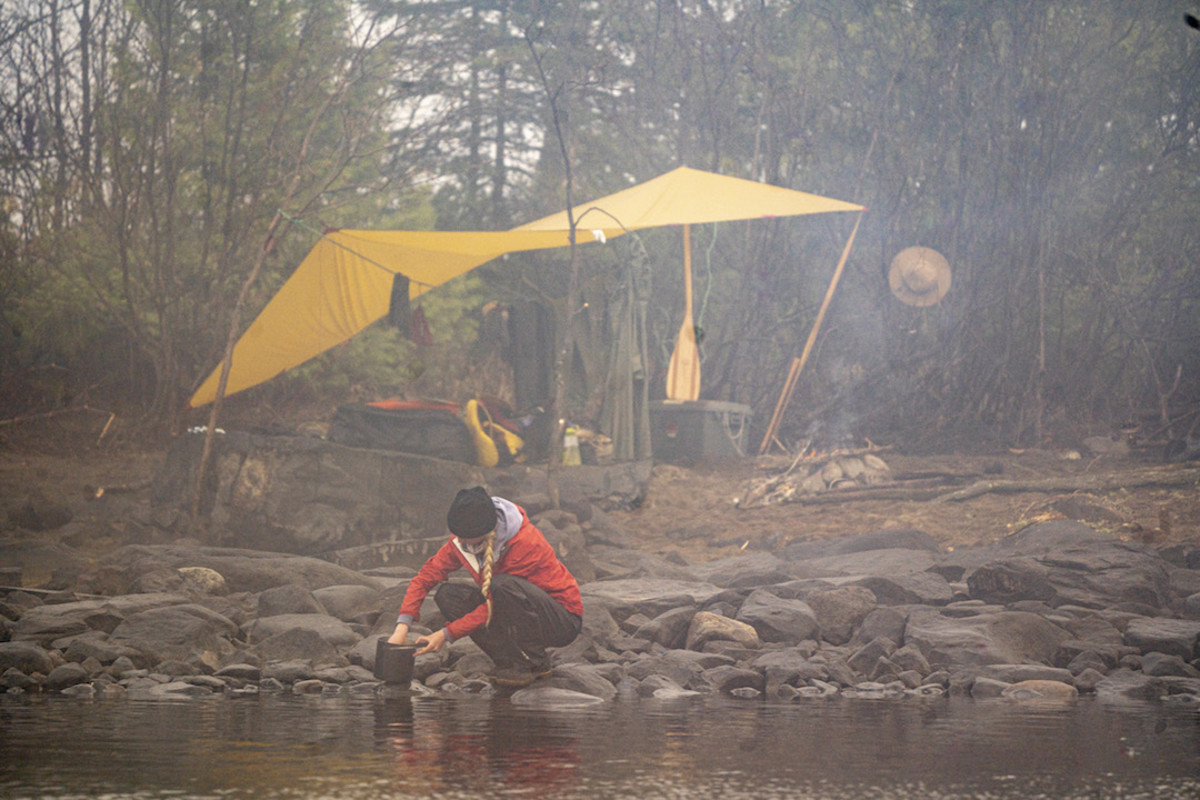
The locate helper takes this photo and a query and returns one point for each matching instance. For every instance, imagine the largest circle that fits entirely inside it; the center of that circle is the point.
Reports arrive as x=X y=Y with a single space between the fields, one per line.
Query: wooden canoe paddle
x=683 y=371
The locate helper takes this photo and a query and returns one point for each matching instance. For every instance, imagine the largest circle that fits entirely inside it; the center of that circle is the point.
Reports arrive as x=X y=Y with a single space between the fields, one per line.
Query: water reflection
x=344 y=746
x=472 y=748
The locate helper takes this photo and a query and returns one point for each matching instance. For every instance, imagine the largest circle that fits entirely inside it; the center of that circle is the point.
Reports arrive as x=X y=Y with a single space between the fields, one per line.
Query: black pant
x=525 y=620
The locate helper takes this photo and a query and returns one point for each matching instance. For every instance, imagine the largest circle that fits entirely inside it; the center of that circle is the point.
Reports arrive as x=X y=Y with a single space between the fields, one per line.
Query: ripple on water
x=313 y=748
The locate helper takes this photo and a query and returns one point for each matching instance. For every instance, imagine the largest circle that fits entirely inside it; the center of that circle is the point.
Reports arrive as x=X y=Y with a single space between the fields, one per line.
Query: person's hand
x=433 y=642
x=399 y=635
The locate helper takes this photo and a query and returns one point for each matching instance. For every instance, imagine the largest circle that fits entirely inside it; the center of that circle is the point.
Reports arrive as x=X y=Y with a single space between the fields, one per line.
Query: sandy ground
x=695 y=512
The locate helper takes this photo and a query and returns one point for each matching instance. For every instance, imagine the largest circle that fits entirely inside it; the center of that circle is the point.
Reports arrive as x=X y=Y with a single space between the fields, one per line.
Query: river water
x=330 y=747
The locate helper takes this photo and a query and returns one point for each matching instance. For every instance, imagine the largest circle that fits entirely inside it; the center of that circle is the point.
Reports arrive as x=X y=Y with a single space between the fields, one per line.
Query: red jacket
x=526 y=555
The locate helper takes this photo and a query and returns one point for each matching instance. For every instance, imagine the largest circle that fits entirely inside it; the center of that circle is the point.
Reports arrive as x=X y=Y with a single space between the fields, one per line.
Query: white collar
x=471 y=558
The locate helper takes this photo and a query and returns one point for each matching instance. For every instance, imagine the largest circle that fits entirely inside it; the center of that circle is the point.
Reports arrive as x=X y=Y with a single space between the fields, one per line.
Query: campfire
x=814 y=471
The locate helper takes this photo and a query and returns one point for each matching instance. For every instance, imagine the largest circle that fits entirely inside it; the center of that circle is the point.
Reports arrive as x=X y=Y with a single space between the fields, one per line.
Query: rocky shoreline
x=1050 y=613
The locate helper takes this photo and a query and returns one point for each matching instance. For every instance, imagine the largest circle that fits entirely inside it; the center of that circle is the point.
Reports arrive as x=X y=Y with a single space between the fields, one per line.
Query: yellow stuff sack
x=494 y=444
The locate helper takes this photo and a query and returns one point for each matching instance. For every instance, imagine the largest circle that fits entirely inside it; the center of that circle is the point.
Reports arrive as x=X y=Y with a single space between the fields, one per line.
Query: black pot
x=394 y=662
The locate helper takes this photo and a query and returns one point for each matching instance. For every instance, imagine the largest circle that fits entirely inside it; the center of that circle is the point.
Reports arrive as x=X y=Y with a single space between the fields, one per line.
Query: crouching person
x=524 y=600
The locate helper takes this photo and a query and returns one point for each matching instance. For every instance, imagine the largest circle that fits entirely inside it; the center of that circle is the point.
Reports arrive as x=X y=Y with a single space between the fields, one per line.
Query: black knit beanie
x=472 y=514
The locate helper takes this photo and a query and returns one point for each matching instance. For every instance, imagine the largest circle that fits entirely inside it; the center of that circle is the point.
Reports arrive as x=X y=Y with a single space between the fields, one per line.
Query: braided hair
x=485 y=572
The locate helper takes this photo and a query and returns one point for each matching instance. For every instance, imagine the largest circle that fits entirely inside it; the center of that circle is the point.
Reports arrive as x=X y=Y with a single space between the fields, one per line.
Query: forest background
x=165 y=165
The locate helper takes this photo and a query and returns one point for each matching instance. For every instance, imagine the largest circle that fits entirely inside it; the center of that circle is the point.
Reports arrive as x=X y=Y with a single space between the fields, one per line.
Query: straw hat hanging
x=919 y=276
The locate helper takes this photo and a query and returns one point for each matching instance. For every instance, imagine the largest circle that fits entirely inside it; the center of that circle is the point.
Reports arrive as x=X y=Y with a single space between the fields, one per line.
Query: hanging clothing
x=531 y=352
x=399 y=308
x=625 y=414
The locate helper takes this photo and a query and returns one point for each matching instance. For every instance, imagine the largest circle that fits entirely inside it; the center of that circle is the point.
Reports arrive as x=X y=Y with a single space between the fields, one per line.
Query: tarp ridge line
x=325 y=235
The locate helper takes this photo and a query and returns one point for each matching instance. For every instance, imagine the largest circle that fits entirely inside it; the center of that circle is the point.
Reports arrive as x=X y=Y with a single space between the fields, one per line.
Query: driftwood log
x=1165 y=477
x=934 y=488
x=927 y=489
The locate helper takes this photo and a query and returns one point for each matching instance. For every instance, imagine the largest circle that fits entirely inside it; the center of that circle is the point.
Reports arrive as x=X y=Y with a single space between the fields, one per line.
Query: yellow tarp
x=689 y=196
x=344 y=283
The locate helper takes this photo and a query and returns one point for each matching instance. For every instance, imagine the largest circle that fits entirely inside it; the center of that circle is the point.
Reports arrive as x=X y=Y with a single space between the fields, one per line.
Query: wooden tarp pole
x=789 y=386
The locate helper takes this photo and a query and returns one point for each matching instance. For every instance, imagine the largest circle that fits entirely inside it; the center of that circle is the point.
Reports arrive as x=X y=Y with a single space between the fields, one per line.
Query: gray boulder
x=598 y=624
x=1049 y=537
x=744 y=572
x=613 y=563
x=707 y=627
x=883 y=621
x=777 y=620
x=892 y=539
x=1079 y=657
x=49 y=622
x=728 y=678
x=1178 y=637
x=662 y=688
x=1095 y=629
x=363 y=653
x=289 y=671
x=1183 y=582
x=239 y=671
x=332 y=630
x=885 y=563
x=64 y=676
x=1010 y=637
x=27 y=657
x=909 y=658
x=984 y=688
x=789 y=667
x=175 y=690
x=263 y=571
x=127 y=605
x=13 y=678
x=244 y=570
x=19 y=601
x=350 y=602
x=178 y=631
x=1123 y=685
x=290 y=598
x=912 y=588
x=566 y=536
x=669 y=628
x=1008 y=580
x=299 y=644
x=1090 y=652
x=585 y=678
x=624 y=598
x=300 y=494
x=1016 y=673
x=1163 y=665
x=682 y=667
x=866 y=659
x=474 y=664
x=192 y=582
x=840 y=611
x=95 y=644
x=1065 y=562
x=1041 y=691
x=1106 y=574
x=1183 y=690
x=550 y=697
